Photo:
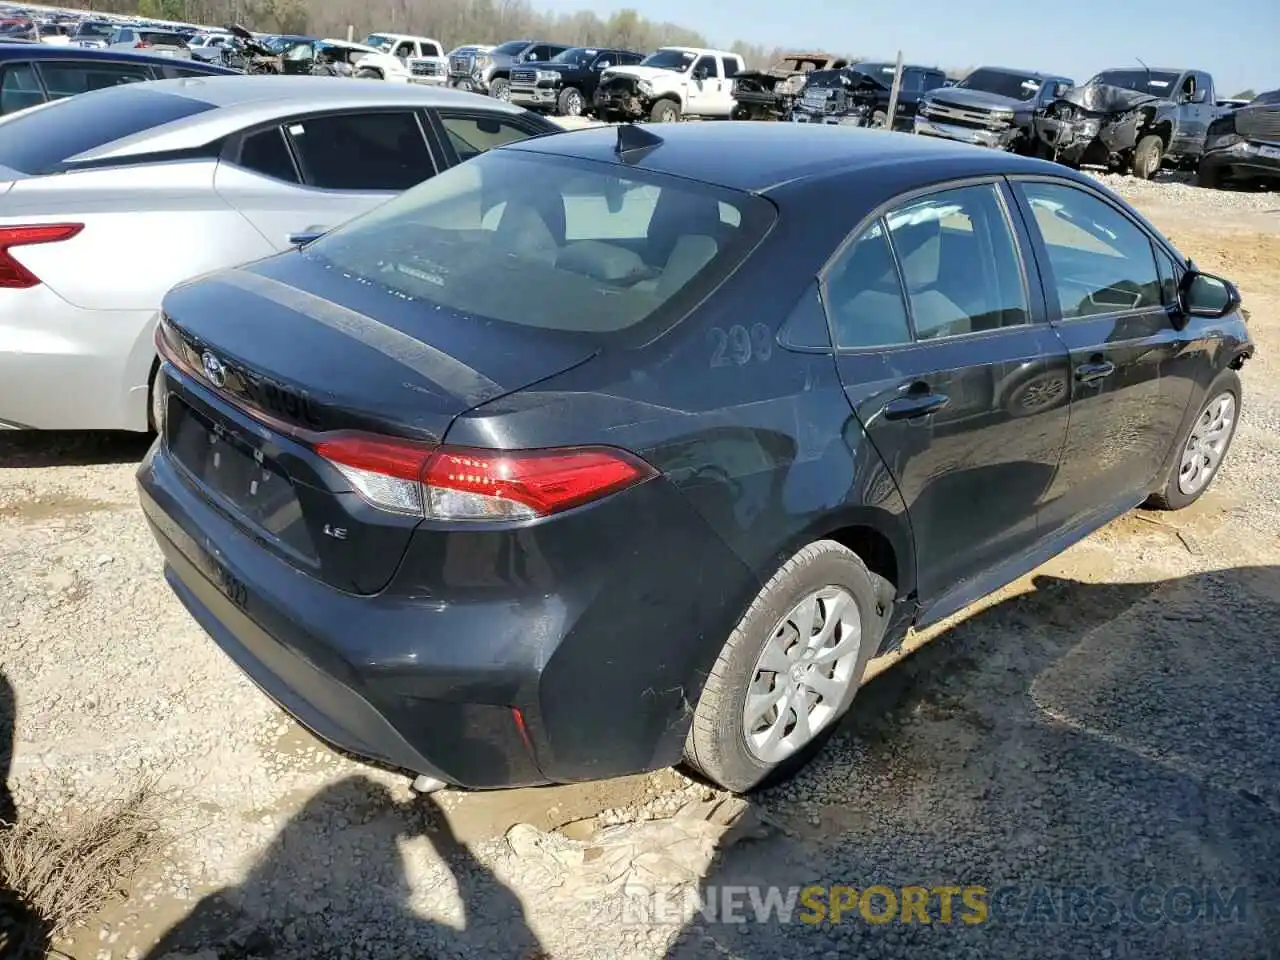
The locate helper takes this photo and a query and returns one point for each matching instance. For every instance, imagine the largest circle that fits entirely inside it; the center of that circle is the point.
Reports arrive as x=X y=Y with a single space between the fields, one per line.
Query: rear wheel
x=571 y=102
x=1202 y=447
x=789 y=670
x=1147 y=157
x=665 y=111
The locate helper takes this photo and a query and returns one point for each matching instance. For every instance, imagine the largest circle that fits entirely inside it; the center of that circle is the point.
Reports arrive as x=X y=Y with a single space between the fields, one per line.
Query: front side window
x=705 y=67
x=959 y=262
x=551 y=243
x=471 y=136
x=362 y=151
x=1101 y=261
x=404 y=50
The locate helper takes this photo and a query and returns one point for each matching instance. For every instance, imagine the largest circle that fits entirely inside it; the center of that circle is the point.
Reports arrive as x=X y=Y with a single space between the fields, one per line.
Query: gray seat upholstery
x=523 y=233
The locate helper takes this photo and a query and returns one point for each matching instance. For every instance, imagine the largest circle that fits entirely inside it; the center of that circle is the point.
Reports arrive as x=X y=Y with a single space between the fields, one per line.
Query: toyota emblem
x=214 y=369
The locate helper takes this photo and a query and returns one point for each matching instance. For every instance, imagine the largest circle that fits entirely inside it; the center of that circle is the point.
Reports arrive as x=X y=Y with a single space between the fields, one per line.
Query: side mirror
x=1059 y=89
x=603 y=64
x=303 y=237
x=1204 y=295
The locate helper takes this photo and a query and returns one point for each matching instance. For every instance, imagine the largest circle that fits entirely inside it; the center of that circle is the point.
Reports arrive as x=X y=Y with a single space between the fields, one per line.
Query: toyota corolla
x=598 y=453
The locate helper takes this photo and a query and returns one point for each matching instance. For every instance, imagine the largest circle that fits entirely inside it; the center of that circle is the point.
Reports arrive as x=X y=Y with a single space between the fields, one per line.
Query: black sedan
x=597 y=453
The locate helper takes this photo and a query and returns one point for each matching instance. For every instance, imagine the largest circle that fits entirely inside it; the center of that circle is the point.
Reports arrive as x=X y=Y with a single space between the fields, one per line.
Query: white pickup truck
x=403 y=59
x=670 y=83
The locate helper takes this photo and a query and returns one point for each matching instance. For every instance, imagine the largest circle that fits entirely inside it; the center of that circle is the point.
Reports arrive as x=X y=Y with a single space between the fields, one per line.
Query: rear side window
x=67 y=78
x=41 y=142
x=267 y=153
x=19 y=88
x=959 y=262
x=471 y=136
x=552 y=243
x=368 y=151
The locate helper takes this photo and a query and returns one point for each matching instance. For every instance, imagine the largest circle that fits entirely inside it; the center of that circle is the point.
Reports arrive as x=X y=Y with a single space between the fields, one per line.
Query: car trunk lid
x=284 y=354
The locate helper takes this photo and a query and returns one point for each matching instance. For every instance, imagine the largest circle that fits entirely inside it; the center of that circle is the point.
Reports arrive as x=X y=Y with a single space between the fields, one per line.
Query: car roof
x=22 y=51
x=244 y=101
x=1038 y=74
x=759 y=157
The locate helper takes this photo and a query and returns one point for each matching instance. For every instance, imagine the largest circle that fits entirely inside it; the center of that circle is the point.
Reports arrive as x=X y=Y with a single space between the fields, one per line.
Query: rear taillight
x=12 y=273
x=454 y=483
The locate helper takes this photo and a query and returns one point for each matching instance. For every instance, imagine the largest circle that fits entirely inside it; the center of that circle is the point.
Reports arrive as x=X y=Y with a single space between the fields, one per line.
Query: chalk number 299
x=740 y=345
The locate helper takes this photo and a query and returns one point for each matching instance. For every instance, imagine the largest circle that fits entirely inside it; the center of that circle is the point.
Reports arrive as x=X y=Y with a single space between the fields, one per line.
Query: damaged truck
x=859 y=95
x=770 y=94
x=991 y=107
x=1132 y=120
x=1243 y=146
x=670 y=83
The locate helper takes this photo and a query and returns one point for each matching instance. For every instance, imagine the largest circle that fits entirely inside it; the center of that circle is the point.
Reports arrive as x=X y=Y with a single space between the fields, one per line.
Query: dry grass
x=55 y=875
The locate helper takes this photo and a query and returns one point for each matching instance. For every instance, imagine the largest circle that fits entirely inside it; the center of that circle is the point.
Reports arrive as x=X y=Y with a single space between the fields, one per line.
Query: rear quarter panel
x=147 y=228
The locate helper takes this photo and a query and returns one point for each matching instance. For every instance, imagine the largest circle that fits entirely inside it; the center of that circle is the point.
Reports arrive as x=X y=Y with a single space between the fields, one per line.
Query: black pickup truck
x=1243 y=145
x=991 y=107
x=566 y=84
x=858 y=95
x=1132 y=119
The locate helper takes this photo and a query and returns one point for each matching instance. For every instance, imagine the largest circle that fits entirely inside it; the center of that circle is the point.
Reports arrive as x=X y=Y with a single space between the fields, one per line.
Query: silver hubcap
x=573 y=105
x=1207 y=443
x=504 y=92
x=803 y=674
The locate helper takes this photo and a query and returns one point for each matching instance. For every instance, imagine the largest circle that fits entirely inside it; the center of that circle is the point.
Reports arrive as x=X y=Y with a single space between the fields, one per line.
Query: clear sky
x=1238 y=41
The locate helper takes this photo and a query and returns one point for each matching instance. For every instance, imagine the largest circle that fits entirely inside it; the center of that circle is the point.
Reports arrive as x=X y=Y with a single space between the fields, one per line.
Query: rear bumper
x=999 y=139
x=63 y=367
x=597 y=640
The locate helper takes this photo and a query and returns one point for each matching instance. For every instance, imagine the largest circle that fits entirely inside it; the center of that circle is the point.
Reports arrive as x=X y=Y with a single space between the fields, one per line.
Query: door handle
x=1094 y=370
x=915 y=405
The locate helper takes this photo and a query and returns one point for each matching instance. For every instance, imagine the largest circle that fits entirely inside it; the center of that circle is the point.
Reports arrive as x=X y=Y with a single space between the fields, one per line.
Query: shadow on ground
x=23 y=935
x=67 y=448
x=1098 y=759
x=333 y=883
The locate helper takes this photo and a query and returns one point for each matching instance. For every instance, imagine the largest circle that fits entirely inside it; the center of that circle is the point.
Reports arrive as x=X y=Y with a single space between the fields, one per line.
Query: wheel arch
x=882 y=541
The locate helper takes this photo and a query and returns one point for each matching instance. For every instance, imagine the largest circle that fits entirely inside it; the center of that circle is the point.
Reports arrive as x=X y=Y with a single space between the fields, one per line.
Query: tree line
x=451 y=21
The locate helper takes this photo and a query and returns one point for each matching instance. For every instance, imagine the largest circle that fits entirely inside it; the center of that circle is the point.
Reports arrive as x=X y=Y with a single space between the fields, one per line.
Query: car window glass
x=578 y=247
x=1101 y=261
x=404 y=49
x=864 y=295
x=70 y=77
x=705 y=65
x=730 y=67
x=170 y=72
x=267 y=153
x=912 y=81
x=1170 y=276
x=603 y=61
x=19 y=88
x=959 y=262
x=471 y=136
x=41 y=141
x=371 y=151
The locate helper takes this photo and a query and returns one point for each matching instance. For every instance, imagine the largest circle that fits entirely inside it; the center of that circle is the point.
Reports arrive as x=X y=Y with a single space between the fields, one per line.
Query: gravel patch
x=1110 y=722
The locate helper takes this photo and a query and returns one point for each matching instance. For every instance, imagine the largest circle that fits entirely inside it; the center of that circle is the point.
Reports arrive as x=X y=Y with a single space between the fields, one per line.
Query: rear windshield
x=163 y=38
x=40 y=142
x=1012 y=85
x=551 y=242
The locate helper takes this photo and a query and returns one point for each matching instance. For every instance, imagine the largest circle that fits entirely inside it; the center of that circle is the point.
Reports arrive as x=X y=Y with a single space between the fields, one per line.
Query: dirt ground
x=1109 y=720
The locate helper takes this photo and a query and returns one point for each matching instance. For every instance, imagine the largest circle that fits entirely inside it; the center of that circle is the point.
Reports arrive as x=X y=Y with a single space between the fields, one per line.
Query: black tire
x=1209 y=177
x=716 y=746
x=880 y=120
x=570 y=96
x=365 y=73
x=500 y=89
x=154 y=411
x=1147 y=157
x=1171 y=495
x=665 y=111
